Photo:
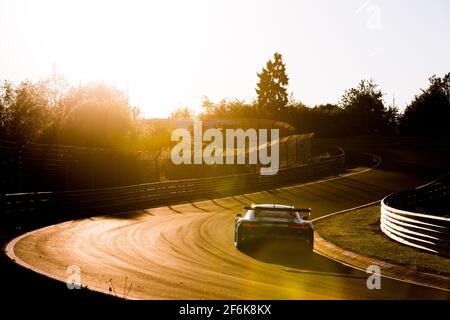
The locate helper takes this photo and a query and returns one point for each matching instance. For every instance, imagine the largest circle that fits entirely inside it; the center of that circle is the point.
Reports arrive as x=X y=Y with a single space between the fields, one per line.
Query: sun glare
x=169 y=54
x=137 y=46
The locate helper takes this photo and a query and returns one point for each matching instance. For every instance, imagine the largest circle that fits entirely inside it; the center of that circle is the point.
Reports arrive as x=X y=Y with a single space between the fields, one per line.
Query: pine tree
x=272 y=87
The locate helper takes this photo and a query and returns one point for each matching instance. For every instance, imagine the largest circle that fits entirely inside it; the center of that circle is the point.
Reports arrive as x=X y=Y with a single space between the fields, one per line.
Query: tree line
x=93 y=115
x=96 y=115
x=361 y=110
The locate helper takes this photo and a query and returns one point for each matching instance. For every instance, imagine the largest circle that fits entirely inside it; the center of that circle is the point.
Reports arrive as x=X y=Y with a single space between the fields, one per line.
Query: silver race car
x=274 y=222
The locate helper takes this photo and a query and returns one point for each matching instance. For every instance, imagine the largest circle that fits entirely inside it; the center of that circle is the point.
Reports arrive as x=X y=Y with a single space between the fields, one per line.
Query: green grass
x=358 y=231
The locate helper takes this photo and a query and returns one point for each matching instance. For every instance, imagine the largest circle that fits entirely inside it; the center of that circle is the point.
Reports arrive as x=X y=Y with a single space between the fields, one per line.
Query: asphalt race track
x=186 y=251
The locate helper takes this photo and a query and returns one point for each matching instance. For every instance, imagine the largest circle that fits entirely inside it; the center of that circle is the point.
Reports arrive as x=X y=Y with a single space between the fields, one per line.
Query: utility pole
x=54 y=83
x=54 y=70
x=127 y=93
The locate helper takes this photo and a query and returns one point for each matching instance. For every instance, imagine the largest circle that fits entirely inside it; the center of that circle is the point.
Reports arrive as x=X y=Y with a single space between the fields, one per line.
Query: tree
x=364 y=108
x=391 y=118
x=429 y=113
x=227 y=109
x=96 y=116
x=182 y=114
x=57 y=89
x=6 y=100
x=24 y=110
x=272 y=88
x=155 y=137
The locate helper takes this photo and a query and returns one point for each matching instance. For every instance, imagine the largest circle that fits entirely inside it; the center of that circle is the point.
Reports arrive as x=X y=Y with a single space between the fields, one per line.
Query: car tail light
x=250 y=225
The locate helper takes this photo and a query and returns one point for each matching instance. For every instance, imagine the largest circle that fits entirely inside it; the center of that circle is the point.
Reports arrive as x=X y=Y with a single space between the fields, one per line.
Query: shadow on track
x=297 y=260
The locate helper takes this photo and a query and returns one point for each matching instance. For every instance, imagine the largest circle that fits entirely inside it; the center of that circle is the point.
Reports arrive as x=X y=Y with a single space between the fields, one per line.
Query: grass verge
x=359 y=231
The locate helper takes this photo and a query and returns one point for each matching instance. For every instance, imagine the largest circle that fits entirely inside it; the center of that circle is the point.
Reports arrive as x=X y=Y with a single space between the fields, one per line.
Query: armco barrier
x=401 y=222
x=95 y=201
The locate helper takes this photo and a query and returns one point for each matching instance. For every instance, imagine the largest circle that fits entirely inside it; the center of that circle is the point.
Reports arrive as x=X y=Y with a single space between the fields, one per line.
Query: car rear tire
x=311 y=244
x=239 y=242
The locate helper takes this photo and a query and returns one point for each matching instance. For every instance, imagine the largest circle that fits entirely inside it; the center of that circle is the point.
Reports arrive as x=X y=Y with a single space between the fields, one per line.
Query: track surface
x=187 y=252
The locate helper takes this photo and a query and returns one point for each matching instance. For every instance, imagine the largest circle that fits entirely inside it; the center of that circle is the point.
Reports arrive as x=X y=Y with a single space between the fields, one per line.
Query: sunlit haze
x=170 y=54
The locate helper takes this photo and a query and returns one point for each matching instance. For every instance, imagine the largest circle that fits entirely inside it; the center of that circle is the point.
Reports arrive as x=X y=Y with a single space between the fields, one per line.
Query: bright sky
x=171 y=53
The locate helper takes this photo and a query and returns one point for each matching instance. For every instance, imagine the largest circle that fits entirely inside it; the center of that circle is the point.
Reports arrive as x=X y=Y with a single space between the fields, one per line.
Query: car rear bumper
x=306 y=238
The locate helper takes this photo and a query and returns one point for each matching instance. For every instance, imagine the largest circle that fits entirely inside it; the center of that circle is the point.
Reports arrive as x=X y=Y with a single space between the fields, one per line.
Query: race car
x=274 y=222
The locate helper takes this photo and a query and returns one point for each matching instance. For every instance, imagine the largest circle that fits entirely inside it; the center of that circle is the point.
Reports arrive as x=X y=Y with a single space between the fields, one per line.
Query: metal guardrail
x=401 y=222
x=141 y=196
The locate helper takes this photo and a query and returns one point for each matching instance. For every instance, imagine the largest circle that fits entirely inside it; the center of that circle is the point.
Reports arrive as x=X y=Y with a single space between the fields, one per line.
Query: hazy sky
x=172 y=53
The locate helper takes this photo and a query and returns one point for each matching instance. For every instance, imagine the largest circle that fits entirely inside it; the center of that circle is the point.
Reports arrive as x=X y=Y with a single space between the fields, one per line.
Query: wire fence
x=26 y=167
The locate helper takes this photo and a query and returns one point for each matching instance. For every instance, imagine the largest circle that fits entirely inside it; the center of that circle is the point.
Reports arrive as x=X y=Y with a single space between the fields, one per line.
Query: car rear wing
x=301 y=210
